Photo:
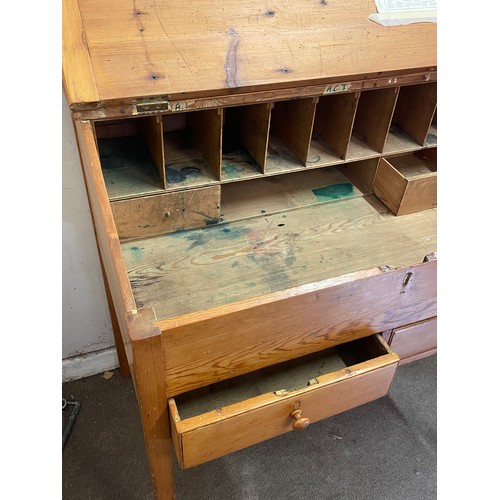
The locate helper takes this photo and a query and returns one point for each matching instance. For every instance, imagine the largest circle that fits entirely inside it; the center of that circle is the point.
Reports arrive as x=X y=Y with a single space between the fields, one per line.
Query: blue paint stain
x=136 y=253
x=199 y=237
x=334 y=191
x=175 y=176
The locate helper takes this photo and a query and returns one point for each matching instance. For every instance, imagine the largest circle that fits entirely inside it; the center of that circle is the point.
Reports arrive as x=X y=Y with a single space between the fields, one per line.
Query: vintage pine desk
x=262 y=180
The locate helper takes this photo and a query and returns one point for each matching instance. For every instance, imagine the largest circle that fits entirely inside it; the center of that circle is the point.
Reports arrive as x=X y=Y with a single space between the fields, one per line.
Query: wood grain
x=292 y=123
x=254 y=257
x=131 y=106
x=407 y=184
x=207 y=127
x=152 y=131
x=361 y=173
x=78 y=73
x=334 y=120
x=151 y=396
x=164 y=48
x=420 y=194
x=205 y=347
x=141 y=338
x=374 y=115
x=277 y=194
x=107 y=236
x=166 y=213
x=389 y=185
x=231 y=428
x=117 y=334
x=415 y=109
x=418 y=356
x=255 y=121
x=418 y=338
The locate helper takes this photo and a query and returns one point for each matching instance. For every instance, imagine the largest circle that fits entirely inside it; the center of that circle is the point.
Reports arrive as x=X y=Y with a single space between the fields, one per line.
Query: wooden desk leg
x=120 y=346
x=149 y=382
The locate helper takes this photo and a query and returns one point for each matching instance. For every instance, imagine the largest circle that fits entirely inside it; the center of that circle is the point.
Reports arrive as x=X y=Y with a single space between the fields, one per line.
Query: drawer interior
x=408 y=183
x=232 y=415
x=281 y=379
x=415 y=165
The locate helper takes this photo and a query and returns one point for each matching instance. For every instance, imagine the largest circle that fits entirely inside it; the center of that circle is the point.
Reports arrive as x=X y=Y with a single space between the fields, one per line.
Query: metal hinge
x=150 y=104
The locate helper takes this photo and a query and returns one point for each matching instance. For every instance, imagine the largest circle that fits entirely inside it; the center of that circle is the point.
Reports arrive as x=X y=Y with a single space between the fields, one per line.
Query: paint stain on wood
x=136 y=253
x=200 y=237
x=175 y=176
x=334 y=191
x=231 y=170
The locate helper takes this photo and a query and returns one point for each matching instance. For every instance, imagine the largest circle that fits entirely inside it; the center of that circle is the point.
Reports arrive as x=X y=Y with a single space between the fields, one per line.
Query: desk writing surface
x=115 y=49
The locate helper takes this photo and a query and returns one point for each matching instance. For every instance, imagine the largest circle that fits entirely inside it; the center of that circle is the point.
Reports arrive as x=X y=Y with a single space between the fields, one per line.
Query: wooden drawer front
x=166 y=213
x=229 y=416
x=200 y=349
x=415 y=341
x=407 y=183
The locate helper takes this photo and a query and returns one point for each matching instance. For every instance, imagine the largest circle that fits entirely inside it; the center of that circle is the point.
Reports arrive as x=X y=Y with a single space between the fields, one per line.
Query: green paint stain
x=135 y=252
x=334 y=191
x=230 y=169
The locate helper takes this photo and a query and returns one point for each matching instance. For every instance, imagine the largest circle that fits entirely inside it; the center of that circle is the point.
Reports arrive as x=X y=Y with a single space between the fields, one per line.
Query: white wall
x=87 y=336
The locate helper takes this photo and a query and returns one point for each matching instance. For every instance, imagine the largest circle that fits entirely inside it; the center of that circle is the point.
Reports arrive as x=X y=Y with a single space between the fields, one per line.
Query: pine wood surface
x=141 y=337
x=149 y=385
x=415 y=109
x=415 y=339
x=168 y=212
x=224 y=342
x=282 y=378
x=175 y=273
x=408 y=183
x=107 y=236
x=228 y=429
x=280 y=193
x=335 y=119
x=141 y=48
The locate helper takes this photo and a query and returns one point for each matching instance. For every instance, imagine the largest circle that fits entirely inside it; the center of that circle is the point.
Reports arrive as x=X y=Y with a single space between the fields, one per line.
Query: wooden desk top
x=116 y=49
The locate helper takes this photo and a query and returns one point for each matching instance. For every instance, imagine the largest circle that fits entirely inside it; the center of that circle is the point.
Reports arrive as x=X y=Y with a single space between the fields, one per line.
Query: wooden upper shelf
x=118 y=49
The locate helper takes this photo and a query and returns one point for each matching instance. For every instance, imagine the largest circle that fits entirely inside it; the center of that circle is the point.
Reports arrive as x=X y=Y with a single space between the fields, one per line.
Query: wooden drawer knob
x=300 y=422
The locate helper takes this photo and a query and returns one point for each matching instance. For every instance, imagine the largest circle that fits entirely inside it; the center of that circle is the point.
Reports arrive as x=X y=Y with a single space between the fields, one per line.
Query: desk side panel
x=105 y=229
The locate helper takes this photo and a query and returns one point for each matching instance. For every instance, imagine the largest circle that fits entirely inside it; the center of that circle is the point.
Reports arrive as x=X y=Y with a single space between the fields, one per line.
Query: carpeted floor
x=385 y=450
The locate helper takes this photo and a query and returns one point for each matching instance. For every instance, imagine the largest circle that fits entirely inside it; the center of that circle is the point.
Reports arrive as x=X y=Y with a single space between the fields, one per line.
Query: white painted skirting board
x=89 y=364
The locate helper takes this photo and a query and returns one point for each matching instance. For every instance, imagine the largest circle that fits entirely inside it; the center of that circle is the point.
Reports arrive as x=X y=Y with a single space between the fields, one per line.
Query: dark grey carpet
x=387 y=450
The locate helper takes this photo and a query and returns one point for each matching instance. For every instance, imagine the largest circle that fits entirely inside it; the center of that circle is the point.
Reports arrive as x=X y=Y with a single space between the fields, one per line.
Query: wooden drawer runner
x=231 y=415
x=415 y=341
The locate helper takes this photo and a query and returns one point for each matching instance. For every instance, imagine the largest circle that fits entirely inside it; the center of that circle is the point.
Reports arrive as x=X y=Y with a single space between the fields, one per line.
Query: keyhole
x=407 y=279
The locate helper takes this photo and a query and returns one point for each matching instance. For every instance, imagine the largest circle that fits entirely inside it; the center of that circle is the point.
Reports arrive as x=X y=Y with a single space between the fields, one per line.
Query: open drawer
x=408 y=183
x=224 y=417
